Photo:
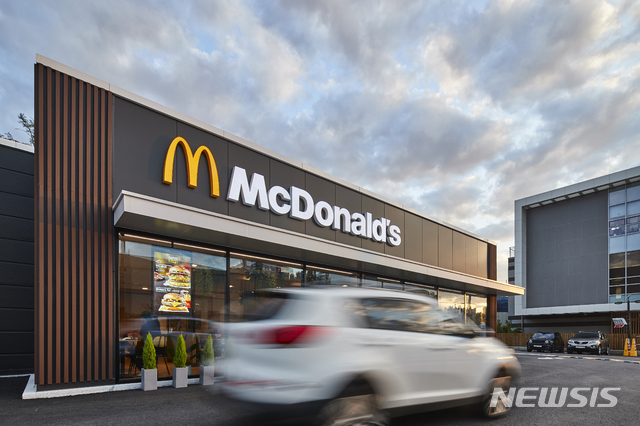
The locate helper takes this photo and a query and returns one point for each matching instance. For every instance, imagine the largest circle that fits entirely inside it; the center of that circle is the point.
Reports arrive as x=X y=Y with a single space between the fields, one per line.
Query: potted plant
x=149 y=373
x=180 y=373
x=207 y=368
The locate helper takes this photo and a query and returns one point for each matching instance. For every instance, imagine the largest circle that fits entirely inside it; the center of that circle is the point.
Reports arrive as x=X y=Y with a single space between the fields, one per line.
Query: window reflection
x=248 y=275
x=319 y=276
x=477 y=310
x=452 y=302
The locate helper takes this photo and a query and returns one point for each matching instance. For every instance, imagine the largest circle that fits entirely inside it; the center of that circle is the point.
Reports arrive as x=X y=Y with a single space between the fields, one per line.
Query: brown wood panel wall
x=74 y=259
x=492 y=260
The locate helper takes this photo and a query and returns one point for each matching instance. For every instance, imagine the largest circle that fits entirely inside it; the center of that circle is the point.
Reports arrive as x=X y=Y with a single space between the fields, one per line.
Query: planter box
x=206 y=375
x=180 y=377
x=149 y=379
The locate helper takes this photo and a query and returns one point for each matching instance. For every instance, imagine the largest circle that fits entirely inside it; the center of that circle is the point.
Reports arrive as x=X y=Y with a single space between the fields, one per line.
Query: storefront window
x=425 y=291
x=250 y=274
x=319 y=276
x=477 y=310
x=451 y=301
x=167 y=292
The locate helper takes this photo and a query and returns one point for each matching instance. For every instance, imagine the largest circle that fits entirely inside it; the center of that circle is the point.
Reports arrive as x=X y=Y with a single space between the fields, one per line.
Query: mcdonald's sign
x=193 y=161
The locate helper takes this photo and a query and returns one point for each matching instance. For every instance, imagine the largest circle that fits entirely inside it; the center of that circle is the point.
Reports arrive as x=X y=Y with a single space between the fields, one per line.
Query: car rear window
x=586 y=335
x=543 y=336
x=263 y=305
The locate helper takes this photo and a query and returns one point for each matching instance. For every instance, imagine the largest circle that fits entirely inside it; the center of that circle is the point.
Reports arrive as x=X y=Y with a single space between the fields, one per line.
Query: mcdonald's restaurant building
x=144 y=215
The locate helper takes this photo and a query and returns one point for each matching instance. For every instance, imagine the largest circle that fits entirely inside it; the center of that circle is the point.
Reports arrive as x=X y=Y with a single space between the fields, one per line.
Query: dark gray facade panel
x=430 y=243
x=14 y=251
x=16 y=183
x=252 y=162
x=321 y=190
x=482 y=259
x=200 y=196
x=16 y=228
x=17 y=364
x=351 y=201
x=16 y=160
x=17 y=274
x=21 y=342
x=16 y=205
x=471 y=255
x=16 y=297
x=286 y=176
x=567 y=246
x=397 y=217
x=412 y=239
x=141 y=139
x=16 y=320
x=445 y=247
x=376 y=208
x=458 y=252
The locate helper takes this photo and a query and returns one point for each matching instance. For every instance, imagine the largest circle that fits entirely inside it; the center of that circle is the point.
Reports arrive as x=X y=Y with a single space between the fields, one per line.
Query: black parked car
x=589 y=341
x=546 y=341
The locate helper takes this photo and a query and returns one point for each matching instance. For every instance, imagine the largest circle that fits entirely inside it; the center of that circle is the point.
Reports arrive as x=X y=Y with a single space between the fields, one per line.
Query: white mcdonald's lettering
x=299 y=204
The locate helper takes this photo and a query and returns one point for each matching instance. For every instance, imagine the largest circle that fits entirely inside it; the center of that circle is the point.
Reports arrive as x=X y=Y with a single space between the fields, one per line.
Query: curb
x=577 y=357
x=31 y=392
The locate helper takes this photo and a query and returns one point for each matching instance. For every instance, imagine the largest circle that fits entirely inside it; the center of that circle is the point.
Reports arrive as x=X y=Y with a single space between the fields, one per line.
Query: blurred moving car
x=356 y=356
x=546 y=341
x=589 y=341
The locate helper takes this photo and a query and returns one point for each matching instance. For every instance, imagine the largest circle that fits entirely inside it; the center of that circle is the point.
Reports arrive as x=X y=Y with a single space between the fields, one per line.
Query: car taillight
x=293 y=334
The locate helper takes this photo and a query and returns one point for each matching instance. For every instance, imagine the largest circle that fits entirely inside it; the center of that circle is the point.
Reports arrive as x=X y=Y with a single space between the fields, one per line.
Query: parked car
x=358 y=356
x=546 y=341
x=589 y=341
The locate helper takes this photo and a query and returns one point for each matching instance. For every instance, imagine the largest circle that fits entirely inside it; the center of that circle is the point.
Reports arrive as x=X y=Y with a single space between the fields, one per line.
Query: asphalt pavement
x=204 y=405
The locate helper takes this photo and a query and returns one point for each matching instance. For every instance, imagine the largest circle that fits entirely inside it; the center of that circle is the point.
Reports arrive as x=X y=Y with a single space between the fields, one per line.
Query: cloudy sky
x=455 y=108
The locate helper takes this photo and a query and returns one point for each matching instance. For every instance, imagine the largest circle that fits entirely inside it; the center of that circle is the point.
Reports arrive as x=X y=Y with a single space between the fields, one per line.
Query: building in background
x=577 y=255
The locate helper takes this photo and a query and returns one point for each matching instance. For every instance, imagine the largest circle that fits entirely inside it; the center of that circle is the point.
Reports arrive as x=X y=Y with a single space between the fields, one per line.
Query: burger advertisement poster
x=172 y=283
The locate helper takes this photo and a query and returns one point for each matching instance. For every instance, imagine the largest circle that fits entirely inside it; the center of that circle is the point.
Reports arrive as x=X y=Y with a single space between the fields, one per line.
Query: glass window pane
x=633 y=289
x=616 y=211
x=451 y=302
x=616 y=245
x=634 y=227
x=633 y=208
x=633 y=192
x=371 y=283
x=616 y=265
x=616 y=228
x=477 y=310
x=633 y=242
x=616 y=290
x=633 y=219
x=617 y=281
x=633 y=280
x=633 y=263
x=249 y=275
x=616 y=196
x=426 y=291
x=319 y=276
x=616 y=298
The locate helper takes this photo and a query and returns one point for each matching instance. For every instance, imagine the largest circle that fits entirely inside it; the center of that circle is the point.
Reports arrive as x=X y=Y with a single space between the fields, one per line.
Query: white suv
x=356 y=355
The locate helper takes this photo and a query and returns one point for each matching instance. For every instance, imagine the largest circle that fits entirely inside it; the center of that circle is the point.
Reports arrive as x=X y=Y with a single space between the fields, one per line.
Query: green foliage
x=180 y=360
x=28 y=127
x=208 y=355
x=507 y=327
x=149 y=354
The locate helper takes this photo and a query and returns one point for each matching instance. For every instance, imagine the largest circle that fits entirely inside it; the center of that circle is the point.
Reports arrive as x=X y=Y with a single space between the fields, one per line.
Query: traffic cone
x=626 y=348
x=633 y=351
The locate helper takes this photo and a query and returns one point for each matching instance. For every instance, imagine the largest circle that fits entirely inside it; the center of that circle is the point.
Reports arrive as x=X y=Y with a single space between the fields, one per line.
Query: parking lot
x=203 y=405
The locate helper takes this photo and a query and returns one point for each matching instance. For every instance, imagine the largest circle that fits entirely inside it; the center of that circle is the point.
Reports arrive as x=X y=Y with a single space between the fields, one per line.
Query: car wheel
x=608 y=350
x=358 y=405
x=599 y=350
x=529 y=349
x=569 y=352
x=494 y=387
x=553 y=349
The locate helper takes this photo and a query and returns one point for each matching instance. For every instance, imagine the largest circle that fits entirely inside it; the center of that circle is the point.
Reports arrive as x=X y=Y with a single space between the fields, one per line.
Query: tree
x=28 y=127
x=507 y=327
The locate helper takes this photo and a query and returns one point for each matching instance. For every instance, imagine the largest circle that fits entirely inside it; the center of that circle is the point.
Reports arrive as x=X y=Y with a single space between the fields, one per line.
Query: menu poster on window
x=172 y=283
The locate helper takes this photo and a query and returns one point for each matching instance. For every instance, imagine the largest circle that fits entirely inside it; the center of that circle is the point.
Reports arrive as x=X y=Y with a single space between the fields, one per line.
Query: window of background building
x=421 y=289
x=250 y=274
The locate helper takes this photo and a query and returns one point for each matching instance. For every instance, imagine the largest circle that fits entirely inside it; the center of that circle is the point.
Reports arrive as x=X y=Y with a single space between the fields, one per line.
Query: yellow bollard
x=633 y=351
x=626 y=347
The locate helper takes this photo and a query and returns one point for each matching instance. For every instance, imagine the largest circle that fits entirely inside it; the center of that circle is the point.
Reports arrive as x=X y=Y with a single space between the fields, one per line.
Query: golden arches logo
x=193 y=161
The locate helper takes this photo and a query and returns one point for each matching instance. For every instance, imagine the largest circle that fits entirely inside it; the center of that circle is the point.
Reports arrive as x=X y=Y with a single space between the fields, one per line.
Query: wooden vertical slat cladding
x=74 y=231
x=492 y=259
